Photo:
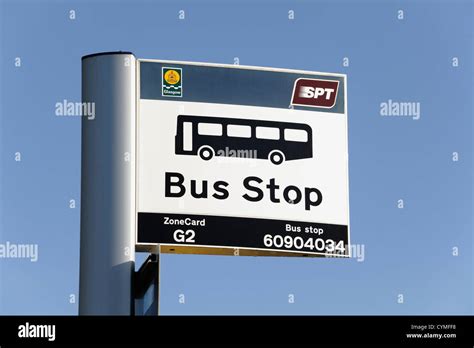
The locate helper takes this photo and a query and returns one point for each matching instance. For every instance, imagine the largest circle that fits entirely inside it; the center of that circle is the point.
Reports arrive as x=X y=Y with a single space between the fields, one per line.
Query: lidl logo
x=172 y=82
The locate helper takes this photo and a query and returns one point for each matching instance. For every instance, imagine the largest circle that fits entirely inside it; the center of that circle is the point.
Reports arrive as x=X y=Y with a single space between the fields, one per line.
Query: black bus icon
x=210 y=136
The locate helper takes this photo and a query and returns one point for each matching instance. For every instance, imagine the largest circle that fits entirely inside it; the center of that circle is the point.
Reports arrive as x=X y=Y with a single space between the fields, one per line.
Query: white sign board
x=242 y=158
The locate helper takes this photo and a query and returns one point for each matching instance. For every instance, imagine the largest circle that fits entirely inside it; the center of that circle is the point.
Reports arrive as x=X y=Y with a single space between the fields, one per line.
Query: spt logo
x=315 y=93
x=172 y=82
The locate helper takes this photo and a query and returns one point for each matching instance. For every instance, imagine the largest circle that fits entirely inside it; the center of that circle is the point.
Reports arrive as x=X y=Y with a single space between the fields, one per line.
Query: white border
x=137 y=112
x=314 y=106
x=347 y=169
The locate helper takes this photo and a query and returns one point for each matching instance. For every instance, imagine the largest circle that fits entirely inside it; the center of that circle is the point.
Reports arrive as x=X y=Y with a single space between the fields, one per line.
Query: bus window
x=268 y=133
x=296 y=135
x=187 y=136
x=234 y=130
x=210 y=129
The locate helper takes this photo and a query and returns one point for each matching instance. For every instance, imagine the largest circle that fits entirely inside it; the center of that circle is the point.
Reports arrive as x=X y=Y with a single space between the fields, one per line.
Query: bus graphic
x=276 y=141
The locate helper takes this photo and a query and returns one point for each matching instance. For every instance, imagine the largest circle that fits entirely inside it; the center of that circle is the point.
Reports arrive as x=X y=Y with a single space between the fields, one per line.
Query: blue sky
x=407 y=251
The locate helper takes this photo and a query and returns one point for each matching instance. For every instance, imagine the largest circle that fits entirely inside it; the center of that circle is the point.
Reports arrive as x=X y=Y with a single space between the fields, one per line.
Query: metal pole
x=107 y=252
x=147 y=281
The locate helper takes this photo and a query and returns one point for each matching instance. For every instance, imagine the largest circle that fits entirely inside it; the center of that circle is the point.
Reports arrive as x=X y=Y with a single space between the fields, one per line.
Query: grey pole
x=107 y=252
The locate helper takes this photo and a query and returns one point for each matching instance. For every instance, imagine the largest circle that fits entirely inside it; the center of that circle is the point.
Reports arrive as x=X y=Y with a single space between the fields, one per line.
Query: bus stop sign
x=241 y=160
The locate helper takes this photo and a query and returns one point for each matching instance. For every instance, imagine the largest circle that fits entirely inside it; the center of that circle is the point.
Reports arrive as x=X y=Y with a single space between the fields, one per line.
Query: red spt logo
x=315 y=93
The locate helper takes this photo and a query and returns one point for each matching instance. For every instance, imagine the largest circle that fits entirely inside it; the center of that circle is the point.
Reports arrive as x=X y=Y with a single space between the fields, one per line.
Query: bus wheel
x=206 y=153
x=276 y=157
